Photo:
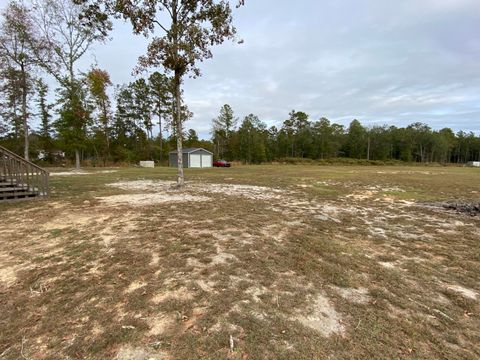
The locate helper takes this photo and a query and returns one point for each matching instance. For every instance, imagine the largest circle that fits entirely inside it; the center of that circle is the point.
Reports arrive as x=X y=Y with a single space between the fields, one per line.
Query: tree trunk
x=160 y=137
x=24 y=113
x=106 y=155
x=77 y=159
x=178 y=115
x=368 y=148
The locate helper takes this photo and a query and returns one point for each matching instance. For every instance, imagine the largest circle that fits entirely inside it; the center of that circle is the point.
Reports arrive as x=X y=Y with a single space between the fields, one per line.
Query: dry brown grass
x=293 y=262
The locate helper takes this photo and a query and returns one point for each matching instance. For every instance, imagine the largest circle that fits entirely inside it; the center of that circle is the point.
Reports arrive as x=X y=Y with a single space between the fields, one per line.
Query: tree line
x=252 y=141
x=48 y=38
x=44 y=38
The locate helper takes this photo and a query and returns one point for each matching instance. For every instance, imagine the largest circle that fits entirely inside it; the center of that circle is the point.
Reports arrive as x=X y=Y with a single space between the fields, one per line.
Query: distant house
x=56 y=154
x=192 y=158
x=473 y=163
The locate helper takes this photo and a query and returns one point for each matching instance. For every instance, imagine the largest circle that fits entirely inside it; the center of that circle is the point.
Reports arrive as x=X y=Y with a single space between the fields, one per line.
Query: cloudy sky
x=380 y=61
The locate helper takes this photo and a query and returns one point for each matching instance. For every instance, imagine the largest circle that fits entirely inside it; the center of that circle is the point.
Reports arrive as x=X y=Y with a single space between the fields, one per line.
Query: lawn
x=251 y=262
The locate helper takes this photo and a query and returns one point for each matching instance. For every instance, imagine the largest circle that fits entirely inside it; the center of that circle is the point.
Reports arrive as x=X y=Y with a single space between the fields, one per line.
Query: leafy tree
x=328 y=139
x=297 y=133
x=98 y=82
x=192 y=28
x=16 y=60
x=252 y=136
x=356 y=141
x=10 y=105
x=44 y=111
x=379 y=143
x=61 y=41
x=223 y=126
x=161 y=92
x=421 y=135
x=142 y=103
x=75 y=117
x=131 y=138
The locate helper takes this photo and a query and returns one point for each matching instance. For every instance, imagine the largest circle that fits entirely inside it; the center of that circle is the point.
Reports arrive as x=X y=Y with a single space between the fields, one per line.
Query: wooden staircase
x=20 y=179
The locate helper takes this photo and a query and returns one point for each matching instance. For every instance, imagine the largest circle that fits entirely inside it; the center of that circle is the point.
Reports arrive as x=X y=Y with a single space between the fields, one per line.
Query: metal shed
x=192 y=158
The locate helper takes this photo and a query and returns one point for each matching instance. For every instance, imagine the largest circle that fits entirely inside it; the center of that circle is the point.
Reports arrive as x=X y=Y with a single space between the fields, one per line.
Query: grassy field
x=251 y=262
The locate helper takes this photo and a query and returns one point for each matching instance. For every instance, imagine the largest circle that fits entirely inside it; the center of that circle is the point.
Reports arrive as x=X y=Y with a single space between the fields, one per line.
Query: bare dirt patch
x=248 y=191
x=139 y=353
x=468 y=293
x=322 y=317
x=357 y=296
x=255 y=262
x=161 y=323
x=81 y=172
x=181 y=293
x=150 y=199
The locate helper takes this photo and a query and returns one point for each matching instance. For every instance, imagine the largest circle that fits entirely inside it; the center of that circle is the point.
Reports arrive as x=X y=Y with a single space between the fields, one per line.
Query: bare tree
x=189 y=29
x=60 y=41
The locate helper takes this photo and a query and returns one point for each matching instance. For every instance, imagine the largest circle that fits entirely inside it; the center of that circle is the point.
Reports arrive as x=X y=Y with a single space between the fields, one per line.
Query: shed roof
x=190 y=150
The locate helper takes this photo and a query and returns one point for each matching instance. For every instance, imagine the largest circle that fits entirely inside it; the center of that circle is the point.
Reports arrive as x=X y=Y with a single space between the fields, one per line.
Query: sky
x=379 y=61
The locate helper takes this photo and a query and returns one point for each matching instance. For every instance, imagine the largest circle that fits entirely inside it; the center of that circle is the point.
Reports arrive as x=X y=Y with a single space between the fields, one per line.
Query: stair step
x=18 y=195
x=7 y=182
x=12 y=189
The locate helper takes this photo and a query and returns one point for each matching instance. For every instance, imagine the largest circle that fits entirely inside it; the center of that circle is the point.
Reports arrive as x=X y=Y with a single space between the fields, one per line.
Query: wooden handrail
x=23 y=174
x=11 y=153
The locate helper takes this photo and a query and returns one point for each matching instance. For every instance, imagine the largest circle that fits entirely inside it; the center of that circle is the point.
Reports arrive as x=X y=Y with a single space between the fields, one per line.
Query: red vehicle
x=221 y=163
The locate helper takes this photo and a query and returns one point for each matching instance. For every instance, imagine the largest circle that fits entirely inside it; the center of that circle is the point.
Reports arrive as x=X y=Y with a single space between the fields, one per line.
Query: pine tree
x=46 y=129
x=223 y=127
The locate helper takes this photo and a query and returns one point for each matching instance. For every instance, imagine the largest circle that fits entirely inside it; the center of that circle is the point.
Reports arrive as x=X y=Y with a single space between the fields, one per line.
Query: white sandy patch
x=468 y=293
x=155 y=259
x=150 y=199
x=322 y=317
x=357 y=296
x=223 y=258
x=387 y=265
x=81 y=172
x=248 y=191
x=193 y=262
x=361 y=195
x=69 y=173
x=64 y=221
x=135 y=286
x=8 y=275
x=256 y=291
x=142 y=185
x=205 y=285
x=378 y=232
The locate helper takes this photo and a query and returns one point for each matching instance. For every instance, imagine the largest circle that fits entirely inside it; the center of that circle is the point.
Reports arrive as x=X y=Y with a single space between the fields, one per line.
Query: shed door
x=195 y=160
x=206 y=160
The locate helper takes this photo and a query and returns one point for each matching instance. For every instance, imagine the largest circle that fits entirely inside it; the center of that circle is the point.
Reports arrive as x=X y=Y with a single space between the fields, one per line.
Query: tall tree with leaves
x=44 y=112
x=223 y=126
x=10 y=105
x=75 y=117
x=356 y=142
x=17 y=59
x=98 y=82
x=60 y=41
x=161 y=93
x=253 y=136
x=191 y=28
